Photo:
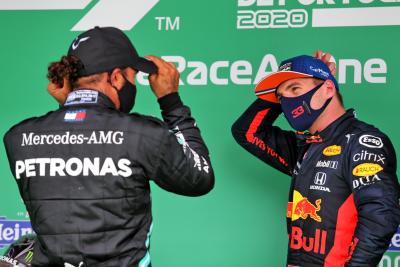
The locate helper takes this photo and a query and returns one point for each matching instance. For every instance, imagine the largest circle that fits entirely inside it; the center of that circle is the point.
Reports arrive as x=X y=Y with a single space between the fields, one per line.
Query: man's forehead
x=292 y=82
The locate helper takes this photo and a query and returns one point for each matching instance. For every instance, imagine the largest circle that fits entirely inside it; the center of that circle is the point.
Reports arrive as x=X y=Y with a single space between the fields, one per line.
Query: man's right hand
x=59 y=93
x=166 y=80
x=326 y=57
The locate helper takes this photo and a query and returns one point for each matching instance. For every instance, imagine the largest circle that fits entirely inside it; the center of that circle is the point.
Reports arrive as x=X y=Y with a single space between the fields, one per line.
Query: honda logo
x=320 y=178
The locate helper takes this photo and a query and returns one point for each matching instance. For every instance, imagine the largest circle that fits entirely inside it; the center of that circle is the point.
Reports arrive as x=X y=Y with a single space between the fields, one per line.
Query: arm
x=376 y=195
x=253 y=130
x=184 y=165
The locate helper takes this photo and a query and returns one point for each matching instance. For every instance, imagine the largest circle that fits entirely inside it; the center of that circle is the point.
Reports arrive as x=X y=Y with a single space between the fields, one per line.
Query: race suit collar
x=338 y=125
x=85 y=96
x=335 y=127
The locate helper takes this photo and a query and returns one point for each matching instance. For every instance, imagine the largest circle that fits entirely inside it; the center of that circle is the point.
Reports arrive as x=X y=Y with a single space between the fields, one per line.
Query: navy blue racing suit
x=343 y=204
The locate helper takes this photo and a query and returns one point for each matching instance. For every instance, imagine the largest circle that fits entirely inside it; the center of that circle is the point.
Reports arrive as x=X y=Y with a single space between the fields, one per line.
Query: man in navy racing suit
x=343 y=204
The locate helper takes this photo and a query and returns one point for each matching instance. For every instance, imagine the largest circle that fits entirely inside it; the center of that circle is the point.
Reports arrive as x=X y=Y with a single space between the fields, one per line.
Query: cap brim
x=266 y=88
x=146 y=66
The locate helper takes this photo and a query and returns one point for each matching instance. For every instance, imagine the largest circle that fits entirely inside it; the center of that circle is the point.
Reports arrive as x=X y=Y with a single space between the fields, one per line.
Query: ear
x=330 y=88
x=117 y=79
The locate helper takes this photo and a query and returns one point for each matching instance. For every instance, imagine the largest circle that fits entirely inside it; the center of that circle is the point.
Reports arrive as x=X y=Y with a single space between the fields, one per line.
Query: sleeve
x=5 y=143
x=253 y=130
x=7 y=140
x=184 y=163
x=372 y=177
x=9 y=144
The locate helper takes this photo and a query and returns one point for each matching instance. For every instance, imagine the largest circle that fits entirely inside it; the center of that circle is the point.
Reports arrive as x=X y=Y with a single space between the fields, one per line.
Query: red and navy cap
x=297 y=67
x=103 y=49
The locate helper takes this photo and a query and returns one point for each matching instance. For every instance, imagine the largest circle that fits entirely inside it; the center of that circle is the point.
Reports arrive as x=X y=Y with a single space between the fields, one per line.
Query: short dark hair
x=66 y=67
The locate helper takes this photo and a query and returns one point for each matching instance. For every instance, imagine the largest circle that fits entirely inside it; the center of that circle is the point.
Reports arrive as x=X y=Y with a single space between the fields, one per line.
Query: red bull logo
x=316 y=243
x=302 y=208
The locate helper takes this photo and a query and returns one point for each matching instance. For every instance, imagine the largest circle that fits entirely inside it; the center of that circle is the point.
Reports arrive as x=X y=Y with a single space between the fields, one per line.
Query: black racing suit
x=344 y=199
x=83 y=172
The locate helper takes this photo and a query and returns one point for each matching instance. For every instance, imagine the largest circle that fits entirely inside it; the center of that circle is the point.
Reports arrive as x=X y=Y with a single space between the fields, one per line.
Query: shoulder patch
x=370 y=141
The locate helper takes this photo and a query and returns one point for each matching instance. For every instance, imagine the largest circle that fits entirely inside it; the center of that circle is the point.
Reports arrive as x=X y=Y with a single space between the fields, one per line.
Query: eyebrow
x=292 y=85
x=288 y=87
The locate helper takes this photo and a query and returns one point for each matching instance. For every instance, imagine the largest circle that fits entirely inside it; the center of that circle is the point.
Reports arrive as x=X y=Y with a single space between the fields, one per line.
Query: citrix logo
x=365 y=155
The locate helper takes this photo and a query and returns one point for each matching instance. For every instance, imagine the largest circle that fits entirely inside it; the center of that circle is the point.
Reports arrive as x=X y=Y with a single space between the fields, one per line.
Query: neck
x=106 y=89
x=332 y=112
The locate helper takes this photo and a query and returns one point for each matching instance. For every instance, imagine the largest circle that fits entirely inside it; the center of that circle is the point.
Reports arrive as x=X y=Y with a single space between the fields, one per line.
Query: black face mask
x=127 y=96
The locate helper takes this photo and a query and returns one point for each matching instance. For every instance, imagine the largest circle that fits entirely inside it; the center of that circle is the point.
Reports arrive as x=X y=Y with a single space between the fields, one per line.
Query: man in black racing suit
x=343 y=204
x=83 y=170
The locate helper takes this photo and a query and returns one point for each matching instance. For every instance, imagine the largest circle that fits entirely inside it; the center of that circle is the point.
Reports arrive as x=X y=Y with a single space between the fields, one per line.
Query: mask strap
x=109 y=81
x=308 y=108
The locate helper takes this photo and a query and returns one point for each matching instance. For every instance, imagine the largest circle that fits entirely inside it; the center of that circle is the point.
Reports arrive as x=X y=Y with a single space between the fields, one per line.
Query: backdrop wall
x=222 y=49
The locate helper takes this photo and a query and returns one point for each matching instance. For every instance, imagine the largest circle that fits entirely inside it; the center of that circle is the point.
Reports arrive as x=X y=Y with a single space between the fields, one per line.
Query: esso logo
x=370 y=141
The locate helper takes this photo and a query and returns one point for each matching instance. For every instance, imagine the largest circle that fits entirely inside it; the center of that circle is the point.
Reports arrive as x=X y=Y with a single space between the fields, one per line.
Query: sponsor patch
x=368 y=156
x=333 y=164
x=370 y=141
x=315 y=243
x=302 y=208
x=320 y=188
x=320 y=178
x=320 y=71
x=52 y=167
x=71 y=138
x=367 y=169
x=332 y=150
x=319 y=182
x=82 y=97
x=365 y=181
x=76 y=115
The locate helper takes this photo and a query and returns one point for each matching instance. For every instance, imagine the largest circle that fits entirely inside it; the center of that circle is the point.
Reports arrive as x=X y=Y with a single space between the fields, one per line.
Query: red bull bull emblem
x=302 y=208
